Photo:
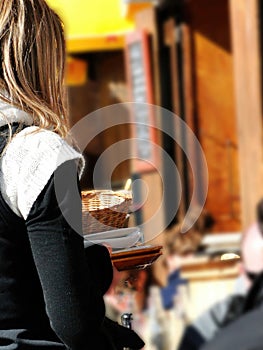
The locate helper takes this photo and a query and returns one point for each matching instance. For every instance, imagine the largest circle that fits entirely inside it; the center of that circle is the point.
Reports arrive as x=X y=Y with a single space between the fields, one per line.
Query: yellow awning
x=92 y=25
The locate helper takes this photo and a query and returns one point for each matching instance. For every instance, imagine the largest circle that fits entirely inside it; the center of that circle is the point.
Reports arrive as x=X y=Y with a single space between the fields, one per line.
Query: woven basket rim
x=104 y=214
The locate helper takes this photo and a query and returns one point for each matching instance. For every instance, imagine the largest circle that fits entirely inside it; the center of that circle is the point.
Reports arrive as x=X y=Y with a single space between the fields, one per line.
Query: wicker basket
x=105 y=210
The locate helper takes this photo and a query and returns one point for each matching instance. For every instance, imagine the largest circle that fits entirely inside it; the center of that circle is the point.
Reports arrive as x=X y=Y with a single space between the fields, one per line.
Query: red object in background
x=111 y=38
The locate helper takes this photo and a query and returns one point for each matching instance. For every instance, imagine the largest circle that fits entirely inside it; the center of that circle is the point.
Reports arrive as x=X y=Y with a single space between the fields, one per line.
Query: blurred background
x=202 y=60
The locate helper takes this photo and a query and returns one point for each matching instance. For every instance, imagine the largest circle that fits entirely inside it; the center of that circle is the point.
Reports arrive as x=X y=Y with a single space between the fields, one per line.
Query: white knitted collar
x=11 y=114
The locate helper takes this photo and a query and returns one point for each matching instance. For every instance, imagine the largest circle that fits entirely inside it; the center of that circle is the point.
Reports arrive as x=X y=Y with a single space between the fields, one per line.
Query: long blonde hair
x=32 y=62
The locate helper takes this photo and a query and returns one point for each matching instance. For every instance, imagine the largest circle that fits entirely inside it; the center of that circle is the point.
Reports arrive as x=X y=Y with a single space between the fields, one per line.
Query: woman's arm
x=73 y=290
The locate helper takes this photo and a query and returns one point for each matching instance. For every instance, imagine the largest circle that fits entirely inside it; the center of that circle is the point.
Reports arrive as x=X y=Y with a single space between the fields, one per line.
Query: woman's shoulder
x=36 y=142
x=34 y=135
x=31 y=157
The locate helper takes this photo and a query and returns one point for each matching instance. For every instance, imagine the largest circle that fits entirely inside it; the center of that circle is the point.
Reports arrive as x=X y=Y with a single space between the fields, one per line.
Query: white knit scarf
x=29 y=160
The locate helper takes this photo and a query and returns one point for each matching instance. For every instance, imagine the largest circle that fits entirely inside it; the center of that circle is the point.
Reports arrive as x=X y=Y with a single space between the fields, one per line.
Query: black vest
x=21 y=299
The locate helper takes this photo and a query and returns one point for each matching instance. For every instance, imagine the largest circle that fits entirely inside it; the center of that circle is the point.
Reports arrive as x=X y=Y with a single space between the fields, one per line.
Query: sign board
x=140 y=86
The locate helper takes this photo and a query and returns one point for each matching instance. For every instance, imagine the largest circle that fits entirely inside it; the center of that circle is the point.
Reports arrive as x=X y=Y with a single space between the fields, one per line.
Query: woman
x=51 y=291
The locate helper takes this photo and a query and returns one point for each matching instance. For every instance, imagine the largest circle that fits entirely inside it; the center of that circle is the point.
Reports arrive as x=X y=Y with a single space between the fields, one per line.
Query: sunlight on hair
x=33 y=59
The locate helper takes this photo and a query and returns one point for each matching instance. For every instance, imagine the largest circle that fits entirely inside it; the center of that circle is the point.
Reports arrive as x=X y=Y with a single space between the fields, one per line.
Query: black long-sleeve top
x=51 y=292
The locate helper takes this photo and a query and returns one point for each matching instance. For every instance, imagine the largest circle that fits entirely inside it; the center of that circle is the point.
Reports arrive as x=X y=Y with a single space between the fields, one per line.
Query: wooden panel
x=169 y=33
x=170 y=39
x=113 y=89
x=147 y=20
x=105 y=86
x=152 y=182
x=210 y=108
x=245 y=38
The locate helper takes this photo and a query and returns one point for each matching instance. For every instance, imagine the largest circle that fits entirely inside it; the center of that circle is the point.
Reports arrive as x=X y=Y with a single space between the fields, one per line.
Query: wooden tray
x=136 y=257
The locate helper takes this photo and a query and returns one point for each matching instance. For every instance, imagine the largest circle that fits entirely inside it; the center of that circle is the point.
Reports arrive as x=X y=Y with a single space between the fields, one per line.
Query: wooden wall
x=246 y=30
x=105 y=86
x=205 y=78
x=213 y=113
x=222 y=83
x=221 y=94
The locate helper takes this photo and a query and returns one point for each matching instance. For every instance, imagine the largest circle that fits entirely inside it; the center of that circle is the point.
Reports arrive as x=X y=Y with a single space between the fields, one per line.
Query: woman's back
x=21 y=298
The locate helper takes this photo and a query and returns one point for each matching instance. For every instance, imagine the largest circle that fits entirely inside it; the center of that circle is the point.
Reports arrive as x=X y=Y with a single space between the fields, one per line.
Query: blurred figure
x=235 y=322
x=167 y=304
x=117 y=298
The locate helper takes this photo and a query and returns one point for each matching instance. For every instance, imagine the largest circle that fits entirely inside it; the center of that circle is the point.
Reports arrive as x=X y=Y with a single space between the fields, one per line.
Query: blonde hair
x=32 y=60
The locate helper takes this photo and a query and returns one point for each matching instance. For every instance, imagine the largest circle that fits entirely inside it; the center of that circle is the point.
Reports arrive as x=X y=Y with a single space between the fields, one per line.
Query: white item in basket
x=109 y=200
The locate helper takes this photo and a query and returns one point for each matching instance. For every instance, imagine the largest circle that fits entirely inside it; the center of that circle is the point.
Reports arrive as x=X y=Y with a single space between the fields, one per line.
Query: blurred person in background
x=235 y=322
x=117 y=298
x=168 y=303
